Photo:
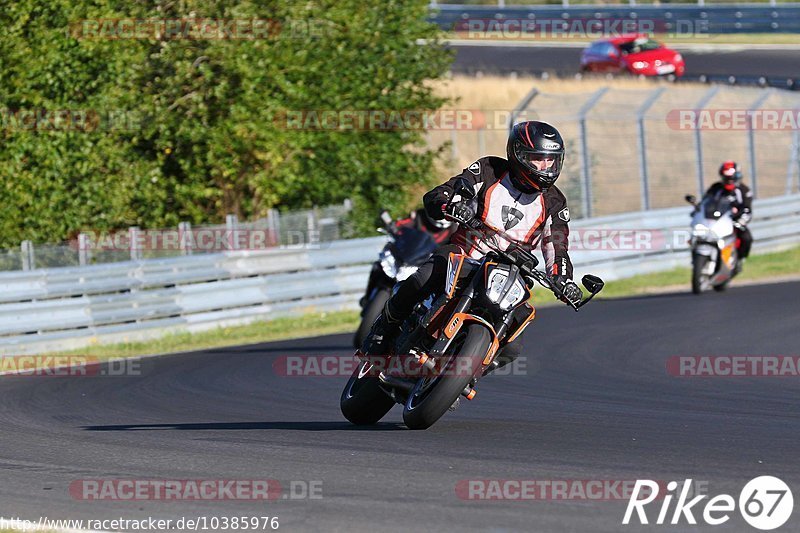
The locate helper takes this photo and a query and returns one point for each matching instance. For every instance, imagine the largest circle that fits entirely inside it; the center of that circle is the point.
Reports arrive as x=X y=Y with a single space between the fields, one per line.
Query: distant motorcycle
x=715 y=256
x=407 y=249
x=453 y=337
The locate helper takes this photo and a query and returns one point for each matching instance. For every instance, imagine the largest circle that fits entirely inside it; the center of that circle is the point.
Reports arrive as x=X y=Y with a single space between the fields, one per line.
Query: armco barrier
x=67 y=308
x=666 y=18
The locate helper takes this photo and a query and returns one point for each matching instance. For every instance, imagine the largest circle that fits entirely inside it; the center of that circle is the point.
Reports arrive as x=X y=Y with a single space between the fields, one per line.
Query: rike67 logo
x=765 y=503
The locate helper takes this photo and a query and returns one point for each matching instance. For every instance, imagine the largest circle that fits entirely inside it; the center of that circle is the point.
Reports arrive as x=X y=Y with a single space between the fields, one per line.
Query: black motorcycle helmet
x=530 y=143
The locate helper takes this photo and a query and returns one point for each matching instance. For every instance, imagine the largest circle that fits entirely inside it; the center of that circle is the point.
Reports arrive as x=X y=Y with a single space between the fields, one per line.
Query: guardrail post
x=84 y=251
x=586 y=172
x=640 y=113
x=751 y=141
x=794 y=161
x=698 y=140
x=133 y=236
x=185 y=238
x=313 y=226
x=277 y=221
x=272 y=227
x=28 y=257
x=231 y=223
x=521 y=106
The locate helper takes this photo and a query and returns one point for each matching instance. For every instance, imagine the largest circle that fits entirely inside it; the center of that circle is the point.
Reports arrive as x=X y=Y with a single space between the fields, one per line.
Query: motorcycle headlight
x=497 y=282
x=388 y=263
x=700 y=230
x=513 y=296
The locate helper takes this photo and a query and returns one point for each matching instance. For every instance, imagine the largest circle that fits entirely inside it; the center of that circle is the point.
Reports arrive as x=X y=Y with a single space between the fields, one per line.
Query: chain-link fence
x=289 y=229
x=640 y=149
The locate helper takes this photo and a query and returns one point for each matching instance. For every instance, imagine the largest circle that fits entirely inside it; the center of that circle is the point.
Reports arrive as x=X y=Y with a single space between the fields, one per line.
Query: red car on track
x=636 y=54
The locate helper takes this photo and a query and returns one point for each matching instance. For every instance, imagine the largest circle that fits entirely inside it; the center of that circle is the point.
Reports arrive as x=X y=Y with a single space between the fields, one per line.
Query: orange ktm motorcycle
x=452 y=338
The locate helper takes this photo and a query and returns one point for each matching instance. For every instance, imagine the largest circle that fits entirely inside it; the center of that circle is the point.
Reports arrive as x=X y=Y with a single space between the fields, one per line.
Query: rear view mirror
x=464 y=189
x=593 y=284
x=692 y=199
x=386 y=218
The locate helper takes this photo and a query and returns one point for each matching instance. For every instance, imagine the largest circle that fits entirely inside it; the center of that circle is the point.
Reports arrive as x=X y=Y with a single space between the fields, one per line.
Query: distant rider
x=741 y=199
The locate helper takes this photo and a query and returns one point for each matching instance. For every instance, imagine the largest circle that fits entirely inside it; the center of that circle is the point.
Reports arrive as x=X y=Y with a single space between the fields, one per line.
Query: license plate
x=665 y=69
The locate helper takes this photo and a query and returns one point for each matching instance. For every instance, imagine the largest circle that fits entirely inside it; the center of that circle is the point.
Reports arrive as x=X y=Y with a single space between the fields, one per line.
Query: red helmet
x=730 y=174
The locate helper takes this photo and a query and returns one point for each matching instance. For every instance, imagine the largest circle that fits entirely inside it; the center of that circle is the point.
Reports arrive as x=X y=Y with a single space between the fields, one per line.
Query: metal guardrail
x=729 y=18
x=66 y=308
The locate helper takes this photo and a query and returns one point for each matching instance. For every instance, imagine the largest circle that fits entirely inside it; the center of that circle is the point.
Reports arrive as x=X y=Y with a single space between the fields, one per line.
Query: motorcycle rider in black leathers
x=440 y=231
x=741 y=199
x=516 y=195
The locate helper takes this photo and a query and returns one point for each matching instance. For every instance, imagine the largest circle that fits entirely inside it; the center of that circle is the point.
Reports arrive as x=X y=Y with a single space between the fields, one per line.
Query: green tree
x=199 y=128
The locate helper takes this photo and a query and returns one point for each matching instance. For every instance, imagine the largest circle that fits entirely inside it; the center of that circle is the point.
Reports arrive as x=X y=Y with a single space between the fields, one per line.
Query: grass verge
x=759 y=268
x=279 y=329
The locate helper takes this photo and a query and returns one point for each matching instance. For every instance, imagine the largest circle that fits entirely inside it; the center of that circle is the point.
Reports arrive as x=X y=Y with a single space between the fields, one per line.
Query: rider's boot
x=384 y=331
x=739 y=266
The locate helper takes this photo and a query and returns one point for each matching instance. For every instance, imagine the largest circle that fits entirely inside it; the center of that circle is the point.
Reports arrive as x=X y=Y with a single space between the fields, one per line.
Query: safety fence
x=292 y=228
x=67 y=308
x=645 y=148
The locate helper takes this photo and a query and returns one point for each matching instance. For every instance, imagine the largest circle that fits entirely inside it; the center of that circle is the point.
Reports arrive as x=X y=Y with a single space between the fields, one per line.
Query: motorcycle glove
x=570 y=290
x=461 y=212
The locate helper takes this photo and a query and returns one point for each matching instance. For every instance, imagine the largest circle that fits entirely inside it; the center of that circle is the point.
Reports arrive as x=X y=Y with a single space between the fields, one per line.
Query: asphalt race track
x=595 y=402
x=566 y=61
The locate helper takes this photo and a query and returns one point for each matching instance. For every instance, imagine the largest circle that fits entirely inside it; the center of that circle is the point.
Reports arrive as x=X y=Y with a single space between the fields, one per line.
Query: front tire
x=431 y=399
x=371 y=312
x=699 y=263
x=363 y=401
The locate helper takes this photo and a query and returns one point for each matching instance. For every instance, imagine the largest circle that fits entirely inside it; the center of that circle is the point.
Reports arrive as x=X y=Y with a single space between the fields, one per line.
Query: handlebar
x=528 y=265
x=529 y=271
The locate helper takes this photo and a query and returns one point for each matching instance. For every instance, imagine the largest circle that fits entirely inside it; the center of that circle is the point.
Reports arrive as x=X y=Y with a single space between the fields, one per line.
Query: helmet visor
x=542 y=163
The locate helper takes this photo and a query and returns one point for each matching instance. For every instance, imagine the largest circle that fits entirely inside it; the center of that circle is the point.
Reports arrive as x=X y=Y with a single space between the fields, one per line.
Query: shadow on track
x=238 y=426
